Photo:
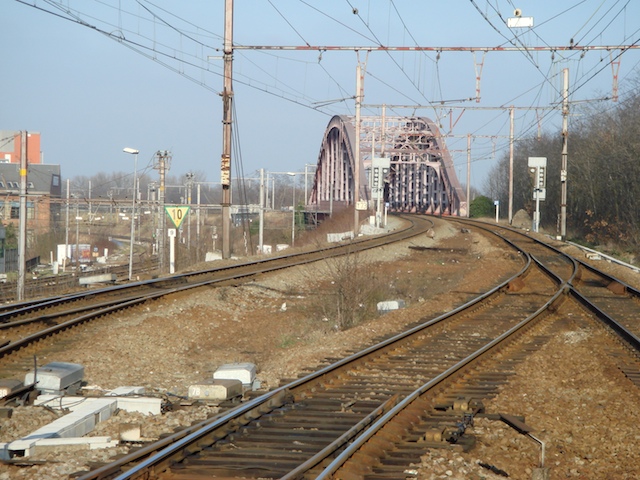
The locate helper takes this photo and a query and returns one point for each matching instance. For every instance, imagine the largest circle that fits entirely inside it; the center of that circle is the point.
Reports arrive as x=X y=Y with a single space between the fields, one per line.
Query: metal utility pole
x=90 y=214
x=225 y=162
x=511 y=110
x=198 y=223
x=163 y=156
x=77 y=236
x=66 y=229
x=189 y=185
x=356 y=175
x=563 y=170
x=468 y=173
x=22 y=245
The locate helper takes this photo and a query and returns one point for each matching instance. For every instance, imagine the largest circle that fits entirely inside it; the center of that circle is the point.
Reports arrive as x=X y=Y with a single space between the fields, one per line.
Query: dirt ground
x=278 y=323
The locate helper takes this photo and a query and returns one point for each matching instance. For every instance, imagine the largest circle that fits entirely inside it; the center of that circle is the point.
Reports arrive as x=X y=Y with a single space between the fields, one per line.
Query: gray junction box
x=245 y=372
x=56 y=377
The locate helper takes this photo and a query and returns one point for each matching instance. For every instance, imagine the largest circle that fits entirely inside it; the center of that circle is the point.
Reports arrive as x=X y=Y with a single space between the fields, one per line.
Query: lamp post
x=133 y=152
x=293 y=207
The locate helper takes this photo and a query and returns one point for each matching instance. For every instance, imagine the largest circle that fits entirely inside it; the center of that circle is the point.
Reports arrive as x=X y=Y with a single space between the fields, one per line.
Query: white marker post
x=171 y=232
x=497 y=204
x=177 y=214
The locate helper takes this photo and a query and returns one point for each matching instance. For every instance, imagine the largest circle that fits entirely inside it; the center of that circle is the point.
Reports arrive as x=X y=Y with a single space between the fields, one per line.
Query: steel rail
x=632 y=339
x=171 y=451
x=565 y=287
x=8 y=311
x=624 y=333
x=234 y=273
x=501 y=340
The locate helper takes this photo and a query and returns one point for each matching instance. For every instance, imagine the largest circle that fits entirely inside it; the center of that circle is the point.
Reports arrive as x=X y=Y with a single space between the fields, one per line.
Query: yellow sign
x=177 y=214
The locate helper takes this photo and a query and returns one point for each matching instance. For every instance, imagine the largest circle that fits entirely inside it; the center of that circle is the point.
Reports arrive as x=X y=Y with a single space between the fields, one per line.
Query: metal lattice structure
x=421 y=177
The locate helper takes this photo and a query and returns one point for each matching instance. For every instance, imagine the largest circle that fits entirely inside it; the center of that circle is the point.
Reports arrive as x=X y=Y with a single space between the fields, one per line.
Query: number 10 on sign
x=177 y=214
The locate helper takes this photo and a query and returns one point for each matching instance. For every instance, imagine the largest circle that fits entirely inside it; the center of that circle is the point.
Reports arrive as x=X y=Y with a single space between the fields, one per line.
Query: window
x=15 y=210
x=55 y=180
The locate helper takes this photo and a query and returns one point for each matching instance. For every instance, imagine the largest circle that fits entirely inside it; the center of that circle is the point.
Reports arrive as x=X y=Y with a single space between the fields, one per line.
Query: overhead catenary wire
x=288 y=90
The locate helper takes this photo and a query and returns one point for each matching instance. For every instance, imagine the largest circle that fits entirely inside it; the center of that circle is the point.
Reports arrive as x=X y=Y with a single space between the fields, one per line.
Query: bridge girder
x=421 y=179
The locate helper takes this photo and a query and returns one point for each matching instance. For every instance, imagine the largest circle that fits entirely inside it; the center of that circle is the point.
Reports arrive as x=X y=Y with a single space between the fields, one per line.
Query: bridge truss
x=421 y=177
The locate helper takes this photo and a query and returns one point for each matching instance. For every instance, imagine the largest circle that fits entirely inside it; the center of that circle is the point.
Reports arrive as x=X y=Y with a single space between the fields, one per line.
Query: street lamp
x=293 y=207
x=133 y=152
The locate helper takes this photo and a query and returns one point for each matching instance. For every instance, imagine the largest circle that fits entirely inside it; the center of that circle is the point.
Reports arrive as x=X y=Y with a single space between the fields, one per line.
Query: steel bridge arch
x=333 y=185
x=421 y=177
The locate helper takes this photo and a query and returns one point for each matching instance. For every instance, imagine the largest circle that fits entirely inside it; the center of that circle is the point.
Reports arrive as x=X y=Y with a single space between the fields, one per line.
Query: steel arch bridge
x=421 y=177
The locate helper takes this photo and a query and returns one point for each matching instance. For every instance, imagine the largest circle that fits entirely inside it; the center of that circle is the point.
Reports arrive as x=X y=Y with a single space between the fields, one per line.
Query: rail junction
x=373 y=414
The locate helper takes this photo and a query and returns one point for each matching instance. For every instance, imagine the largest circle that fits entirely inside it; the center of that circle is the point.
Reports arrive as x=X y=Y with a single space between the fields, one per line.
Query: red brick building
x=11 y=147
x=44 y=184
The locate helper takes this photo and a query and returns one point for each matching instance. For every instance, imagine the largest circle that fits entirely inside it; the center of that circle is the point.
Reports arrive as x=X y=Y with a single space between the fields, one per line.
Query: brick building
x=11 y=147
x=44 y=185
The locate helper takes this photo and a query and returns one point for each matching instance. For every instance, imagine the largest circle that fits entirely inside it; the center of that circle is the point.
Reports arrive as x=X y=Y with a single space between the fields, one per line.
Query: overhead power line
x=383 y=48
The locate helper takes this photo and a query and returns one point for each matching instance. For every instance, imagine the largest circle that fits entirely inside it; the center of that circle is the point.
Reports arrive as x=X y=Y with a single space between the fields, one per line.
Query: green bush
x=481 y=207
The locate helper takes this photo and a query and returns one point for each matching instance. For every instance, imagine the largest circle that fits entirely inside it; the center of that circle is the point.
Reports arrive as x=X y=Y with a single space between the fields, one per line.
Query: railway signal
x=538 y=167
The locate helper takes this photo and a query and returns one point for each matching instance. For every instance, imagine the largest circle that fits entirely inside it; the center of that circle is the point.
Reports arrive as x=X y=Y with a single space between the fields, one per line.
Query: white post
x=133 y=216
x=133 y=207
x=172 y=251
x=67 y=253
x=293 y=219
x=536 y=216
x=198 y=223
x=261 y=235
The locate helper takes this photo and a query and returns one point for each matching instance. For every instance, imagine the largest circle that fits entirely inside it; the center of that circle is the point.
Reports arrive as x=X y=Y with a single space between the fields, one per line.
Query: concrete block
x=340 y=237
x=4 y=451
x=145 y=405
x=266 y=249
x=371 y=230
x=281 y=246
x=72 y=444
x=390 y=305
x=62 y=402
x=216 y=390
x=122 y=391
x=9 y=385
x=55 y=377
x=212 y=256
x=245 y=372
x=103 y=278
x=130 y=433
x=75 y=424
x=133 y=403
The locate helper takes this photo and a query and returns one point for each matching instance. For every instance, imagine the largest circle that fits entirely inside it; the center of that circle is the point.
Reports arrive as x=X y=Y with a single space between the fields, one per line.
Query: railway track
x=26 y=326
x=372 y=415
x=64 y=283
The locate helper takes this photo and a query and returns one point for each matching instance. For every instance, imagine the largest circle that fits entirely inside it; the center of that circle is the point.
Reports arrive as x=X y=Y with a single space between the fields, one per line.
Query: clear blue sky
x=90 y=95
